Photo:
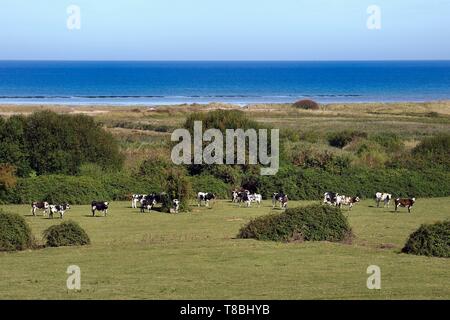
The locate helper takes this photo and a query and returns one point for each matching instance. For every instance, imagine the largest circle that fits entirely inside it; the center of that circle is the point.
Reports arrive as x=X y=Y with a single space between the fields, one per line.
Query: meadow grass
x=196 y=255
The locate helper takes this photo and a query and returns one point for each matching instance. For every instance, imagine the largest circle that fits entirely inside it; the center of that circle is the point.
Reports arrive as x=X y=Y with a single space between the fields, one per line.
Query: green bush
x=431 y=240
x=310 y=223
x=177 y=186
x=68 y=233
x=306 y=104
x=59 y=189
x=343 y=138
x=15 y=234
x=208 y=183
x=47 y=142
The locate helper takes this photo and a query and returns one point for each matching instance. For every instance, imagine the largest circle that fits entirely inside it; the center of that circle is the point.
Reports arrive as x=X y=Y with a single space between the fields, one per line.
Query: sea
x=236 y=82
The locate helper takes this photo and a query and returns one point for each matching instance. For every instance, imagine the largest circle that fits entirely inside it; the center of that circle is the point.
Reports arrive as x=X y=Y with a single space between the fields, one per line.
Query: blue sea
x=155 y=83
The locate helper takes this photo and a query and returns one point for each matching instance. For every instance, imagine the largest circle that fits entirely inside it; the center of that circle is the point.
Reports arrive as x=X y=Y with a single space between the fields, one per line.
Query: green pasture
x=196 y=255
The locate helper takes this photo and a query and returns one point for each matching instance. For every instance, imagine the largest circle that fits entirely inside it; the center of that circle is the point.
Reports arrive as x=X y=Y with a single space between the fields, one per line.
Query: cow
x=205 y=197
x=147 y=202
x=407 y=203
x=175 y=206
x=347 y=201
x=331 y=198
x=59 y=208
x=385 y=197
x=281 y=198
x=42 y=205
x=234 y=196
x=100 y=206
x=257 y=198
x=244 y=197
x=135 y=198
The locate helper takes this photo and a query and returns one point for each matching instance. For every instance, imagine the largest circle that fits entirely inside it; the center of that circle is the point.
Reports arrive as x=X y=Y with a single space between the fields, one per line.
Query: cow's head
x=356 y=199
x=106 y=203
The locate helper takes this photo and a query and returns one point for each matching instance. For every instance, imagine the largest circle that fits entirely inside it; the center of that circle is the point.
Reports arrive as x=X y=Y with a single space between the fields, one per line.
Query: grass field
x=196 y=256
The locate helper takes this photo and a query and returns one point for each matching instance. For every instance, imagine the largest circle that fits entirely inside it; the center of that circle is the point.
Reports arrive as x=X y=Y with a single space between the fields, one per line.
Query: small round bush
x=311 y=223
x=306 y=104
x=15 y=234
x=68 y=233
x=431 y=240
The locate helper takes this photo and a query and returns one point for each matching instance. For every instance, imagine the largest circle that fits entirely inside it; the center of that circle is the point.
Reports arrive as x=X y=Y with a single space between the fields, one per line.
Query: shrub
x=208 y=183
x=15 y=234
x=177 y=186
x=433 y=151
x=310 y=223
x=342 y=138
x=68 y=233
x=47 y=142
x=431 y=240
x=306 y=104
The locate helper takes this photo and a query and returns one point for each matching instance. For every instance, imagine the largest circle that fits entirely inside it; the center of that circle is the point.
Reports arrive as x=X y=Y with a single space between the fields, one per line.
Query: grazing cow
x=347 y=201
x=256 y=198
x=135 y=198
x=147 y=202
x=43 y=205
x=407 y=203
x=205 y=197
x=385 y=197
x=100 y=206
x=59 y=208
x=331 y=198
x=175 y=206
x=281 y=198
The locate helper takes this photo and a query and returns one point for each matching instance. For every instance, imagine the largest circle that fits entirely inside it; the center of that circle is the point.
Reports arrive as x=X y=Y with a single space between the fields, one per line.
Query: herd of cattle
x=241 y=197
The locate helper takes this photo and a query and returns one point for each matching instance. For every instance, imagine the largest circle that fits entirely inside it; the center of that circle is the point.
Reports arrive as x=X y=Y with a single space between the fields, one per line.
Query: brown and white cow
x=406 y=203
x=41 y=205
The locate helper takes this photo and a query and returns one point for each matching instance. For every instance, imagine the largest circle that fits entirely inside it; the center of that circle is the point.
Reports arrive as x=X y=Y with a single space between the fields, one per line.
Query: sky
x=224 y=30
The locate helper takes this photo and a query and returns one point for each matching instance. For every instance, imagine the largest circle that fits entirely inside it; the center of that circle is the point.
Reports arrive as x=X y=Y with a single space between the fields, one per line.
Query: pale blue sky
x=224 y=30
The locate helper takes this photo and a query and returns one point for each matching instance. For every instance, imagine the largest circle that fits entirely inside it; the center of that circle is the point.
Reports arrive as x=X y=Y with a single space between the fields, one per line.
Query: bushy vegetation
x=46 y=143
x=306 y=104
x=68 y=233
x=15 y=234
x=310 y=223
x=342 y=138
x=431 y=240
x=208 y=183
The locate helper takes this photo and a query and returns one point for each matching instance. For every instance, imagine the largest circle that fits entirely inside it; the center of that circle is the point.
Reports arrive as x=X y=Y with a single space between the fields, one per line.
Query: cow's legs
x=61 y=214
x=105 y=212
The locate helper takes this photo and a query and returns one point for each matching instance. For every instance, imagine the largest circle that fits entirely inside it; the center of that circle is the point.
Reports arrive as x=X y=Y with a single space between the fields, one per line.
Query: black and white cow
x=99 y=206
x=257 y=198
x=406 y=203
x=244 y=197
x=135 y=198
x=42 y=205
x=148 y=202
x=280 y=198
x=347 y=201
x=385 y=197
x=205 y=197
x=175 y=206
x=59 y=208
x=331 y=198
x=234 y=196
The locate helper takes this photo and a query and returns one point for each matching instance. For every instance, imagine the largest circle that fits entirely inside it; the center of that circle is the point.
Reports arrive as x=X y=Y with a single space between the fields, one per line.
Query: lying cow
x=205 y=197
x=347 y=201
x=59 y=208
x=385 y=197
x=280 y=198
x=331 y=198
x=99 y=206
x=406 y=203
x=43 y=205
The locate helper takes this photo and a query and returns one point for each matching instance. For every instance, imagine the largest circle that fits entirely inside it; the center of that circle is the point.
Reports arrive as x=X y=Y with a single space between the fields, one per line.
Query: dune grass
x=196 y=255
